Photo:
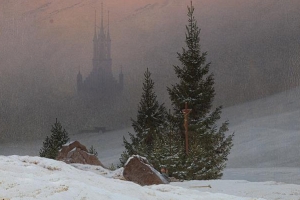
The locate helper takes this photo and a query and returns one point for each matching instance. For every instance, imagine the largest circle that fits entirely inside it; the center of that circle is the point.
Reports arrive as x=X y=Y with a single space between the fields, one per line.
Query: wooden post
x=186 y=112
x=170 y=134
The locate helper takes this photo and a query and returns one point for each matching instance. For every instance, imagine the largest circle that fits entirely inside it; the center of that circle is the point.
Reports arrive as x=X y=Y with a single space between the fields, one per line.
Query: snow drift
x=24 y=177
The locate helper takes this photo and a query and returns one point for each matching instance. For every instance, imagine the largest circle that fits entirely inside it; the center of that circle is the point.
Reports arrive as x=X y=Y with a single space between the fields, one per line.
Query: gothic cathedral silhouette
x=100 y=84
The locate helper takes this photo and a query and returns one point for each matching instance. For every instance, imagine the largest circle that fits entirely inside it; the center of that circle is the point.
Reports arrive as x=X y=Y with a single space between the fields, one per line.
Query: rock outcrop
x=75 y=152
x=138 y=170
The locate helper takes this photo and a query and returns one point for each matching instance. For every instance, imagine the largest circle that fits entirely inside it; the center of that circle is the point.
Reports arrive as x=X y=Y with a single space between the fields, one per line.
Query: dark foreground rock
x=75 y=152
x=138 y=170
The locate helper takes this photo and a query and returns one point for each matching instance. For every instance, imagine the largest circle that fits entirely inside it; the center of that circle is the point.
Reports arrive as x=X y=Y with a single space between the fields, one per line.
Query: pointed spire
x=101 y=54
x=108 y=40
x=101 y=36
x=102 y=15
x=95 y=40
x=95 y=34
x=95 y=20
x=108 y=35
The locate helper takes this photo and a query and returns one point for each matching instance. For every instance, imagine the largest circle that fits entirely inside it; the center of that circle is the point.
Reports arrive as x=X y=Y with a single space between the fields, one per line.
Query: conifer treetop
x=195 y=84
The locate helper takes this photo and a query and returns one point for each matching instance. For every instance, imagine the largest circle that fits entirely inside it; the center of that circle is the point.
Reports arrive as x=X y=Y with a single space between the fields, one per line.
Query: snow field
x=39 y=178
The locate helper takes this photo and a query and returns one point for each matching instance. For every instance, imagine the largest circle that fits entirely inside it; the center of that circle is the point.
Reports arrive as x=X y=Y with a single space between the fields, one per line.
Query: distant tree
x=151 y=119
x=209 y=147
x=54 y=143
x=93 y=151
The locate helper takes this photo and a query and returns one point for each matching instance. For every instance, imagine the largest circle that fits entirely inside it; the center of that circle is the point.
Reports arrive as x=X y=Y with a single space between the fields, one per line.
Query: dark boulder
x=138 y=170
x=75 y=152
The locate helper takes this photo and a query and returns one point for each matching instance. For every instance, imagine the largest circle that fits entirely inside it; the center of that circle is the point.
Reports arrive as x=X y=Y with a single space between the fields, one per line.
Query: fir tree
x=93 y=151
x=167 y=155
x=150 y=122
x=53 y=144
x=209 y=146
x=195 y=83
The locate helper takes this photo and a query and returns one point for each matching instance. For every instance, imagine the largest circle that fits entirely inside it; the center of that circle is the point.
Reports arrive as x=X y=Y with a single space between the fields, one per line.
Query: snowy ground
x=266 y=153
x=267 y=132
x=39 y=178
x=278 y=174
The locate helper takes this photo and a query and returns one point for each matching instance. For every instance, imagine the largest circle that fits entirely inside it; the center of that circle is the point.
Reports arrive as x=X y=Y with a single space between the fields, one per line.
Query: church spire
x=101 y=38
x=108 y=35
x=100 y=84
x=108 y=40
x=95 y=34
x=95 y=41
x=102 y=28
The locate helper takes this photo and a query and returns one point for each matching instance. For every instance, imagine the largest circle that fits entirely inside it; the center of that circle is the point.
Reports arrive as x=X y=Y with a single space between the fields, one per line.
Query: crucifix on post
x=186 y=113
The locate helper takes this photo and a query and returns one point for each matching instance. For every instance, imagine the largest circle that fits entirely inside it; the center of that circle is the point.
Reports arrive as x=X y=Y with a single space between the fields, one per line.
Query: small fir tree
x=149 y=124
x=209 y=147
x=93 y=151
x=54 y=143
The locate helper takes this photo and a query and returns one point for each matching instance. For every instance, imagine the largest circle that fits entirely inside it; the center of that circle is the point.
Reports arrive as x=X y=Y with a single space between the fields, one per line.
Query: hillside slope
x=266 y=135
x=266 y=131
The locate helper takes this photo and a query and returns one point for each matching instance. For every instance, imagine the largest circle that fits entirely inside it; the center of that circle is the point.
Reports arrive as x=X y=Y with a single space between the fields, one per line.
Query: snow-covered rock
x=75 y=152
x=137 y=169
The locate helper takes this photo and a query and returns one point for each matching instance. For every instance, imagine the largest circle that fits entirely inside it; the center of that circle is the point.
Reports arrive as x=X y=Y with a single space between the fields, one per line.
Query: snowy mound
x=39 y=178
x=24 y=177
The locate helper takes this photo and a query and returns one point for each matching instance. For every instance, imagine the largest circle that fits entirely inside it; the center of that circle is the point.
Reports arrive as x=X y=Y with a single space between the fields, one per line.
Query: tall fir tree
x=54 y=143
x=209 y=145
x=151 y=119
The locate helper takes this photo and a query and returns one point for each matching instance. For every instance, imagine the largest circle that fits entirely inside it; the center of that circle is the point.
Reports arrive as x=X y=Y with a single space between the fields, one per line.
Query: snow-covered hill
x=267 y=131
x=40 y=178
x=266 y=143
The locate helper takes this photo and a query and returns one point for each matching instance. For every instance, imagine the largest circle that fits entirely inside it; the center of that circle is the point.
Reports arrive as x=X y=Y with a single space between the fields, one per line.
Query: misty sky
x=253 y=47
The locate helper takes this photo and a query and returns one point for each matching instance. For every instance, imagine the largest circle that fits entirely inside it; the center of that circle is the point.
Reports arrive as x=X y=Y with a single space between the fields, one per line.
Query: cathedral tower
x=100 y=83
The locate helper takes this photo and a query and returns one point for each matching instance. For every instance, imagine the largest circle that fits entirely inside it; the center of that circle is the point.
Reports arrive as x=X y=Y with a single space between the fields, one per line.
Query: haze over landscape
x=253 y=47
x=263 y=164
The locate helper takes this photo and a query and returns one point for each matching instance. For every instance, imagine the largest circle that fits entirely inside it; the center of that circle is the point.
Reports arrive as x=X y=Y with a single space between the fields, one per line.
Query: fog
x=253 y=47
